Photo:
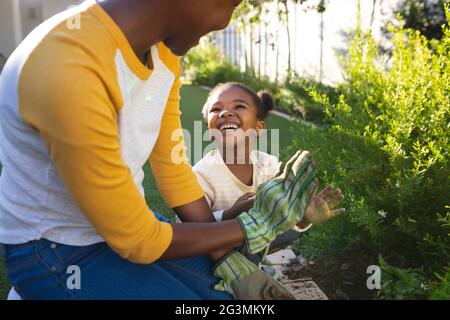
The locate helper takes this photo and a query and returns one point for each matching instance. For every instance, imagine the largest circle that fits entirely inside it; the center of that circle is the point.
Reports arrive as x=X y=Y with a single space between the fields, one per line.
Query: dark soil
x=340 y=278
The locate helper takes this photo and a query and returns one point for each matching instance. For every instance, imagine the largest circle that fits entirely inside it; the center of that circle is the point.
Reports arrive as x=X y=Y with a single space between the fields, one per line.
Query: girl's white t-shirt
x=222 y=188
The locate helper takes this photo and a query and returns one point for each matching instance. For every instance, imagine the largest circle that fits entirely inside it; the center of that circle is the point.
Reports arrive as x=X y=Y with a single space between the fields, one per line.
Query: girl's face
x=232 y=116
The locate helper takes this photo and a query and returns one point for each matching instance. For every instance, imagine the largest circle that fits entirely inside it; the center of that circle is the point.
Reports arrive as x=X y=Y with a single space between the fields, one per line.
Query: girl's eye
x=214 y=110
x=240 y=106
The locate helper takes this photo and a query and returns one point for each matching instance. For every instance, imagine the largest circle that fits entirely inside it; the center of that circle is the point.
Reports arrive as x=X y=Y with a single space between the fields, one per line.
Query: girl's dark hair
x=263 y=100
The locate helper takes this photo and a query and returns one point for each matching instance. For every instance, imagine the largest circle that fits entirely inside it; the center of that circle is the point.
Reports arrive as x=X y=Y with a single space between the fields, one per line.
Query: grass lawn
x=193 y=99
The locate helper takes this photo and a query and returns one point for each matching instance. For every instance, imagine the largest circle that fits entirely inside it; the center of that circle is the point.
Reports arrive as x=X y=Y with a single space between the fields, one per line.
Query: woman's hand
x=323 y=206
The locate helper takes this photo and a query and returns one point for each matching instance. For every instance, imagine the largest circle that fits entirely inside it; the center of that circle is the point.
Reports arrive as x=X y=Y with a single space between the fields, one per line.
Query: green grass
x=193 y=99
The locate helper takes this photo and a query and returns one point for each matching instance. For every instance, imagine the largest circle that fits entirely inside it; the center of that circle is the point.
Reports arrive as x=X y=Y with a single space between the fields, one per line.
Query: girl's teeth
x=225 y=127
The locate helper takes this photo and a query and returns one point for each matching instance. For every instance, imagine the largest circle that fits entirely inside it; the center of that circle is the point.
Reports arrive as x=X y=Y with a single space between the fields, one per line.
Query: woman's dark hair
x=263 y=100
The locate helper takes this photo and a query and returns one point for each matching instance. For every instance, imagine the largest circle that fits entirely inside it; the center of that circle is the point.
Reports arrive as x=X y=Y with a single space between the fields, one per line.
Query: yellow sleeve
x=173 y=174
x=74 y=111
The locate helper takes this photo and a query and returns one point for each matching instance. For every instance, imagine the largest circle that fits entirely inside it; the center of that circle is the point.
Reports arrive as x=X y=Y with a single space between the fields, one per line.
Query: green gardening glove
x=280 y=203
x=245 y=281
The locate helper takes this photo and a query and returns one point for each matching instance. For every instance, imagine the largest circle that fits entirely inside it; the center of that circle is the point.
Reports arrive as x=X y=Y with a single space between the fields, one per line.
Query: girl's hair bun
x=267 y=102
x=263 y=99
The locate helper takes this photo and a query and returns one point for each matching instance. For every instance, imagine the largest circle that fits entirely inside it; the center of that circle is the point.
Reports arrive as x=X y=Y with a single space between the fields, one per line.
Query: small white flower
x=382 y=213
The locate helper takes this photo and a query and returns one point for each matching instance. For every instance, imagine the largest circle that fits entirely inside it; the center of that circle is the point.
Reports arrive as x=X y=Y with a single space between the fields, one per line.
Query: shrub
x=440 y=289
x=308 y=107
x=388 y=141
x=206 y=66
x=400 y=283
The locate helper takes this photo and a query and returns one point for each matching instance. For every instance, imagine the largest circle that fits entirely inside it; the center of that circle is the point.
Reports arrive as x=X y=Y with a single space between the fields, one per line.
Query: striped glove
x=245 y=281
x=280 y=203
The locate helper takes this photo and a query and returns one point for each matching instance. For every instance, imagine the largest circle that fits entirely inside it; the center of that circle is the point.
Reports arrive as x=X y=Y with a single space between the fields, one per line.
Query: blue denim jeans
x=40 y=270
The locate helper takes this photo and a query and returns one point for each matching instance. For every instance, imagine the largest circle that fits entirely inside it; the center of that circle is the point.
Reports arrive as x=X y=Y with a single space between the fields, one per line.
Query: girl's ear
x=260 y=125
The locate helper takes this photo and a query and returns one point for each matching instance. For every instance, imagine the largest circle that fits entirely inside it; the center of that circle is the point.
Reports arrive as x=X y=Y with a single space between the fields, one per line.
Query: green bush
x=199 y=60
x=309 y=108
x=204 y=65
x=387 y=147
x=440 y=289
x=401 y=283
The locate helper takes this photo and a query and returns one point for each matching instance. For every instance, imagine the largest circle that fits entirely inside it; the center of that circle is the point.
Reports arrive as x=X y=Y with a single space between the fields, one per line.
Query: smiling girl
x=231 y=173
x=235 y=117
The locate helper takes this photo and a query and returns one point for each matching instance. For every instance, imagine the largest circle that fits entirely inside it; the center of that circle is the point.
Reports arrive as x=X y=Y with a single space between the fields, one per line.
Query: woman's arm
x=190 y=239
x=199 y=211
x=195 y=211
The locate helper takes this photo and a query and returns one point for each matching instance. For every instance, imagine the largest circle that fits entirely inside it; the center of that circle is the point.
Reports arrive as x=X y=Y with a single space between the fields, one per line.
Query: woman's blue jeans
x=45 y=270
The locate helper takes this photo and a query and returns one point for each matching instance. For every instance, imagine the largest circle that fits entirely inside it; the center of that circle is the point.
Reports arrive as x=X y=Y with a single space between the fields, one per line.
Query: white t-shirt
x=222 y=188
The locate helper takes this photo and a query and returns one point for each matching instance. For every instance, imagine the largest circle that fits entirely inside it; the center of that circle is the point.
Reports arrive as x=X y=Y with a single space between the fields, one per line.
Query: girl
x=235 y=117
